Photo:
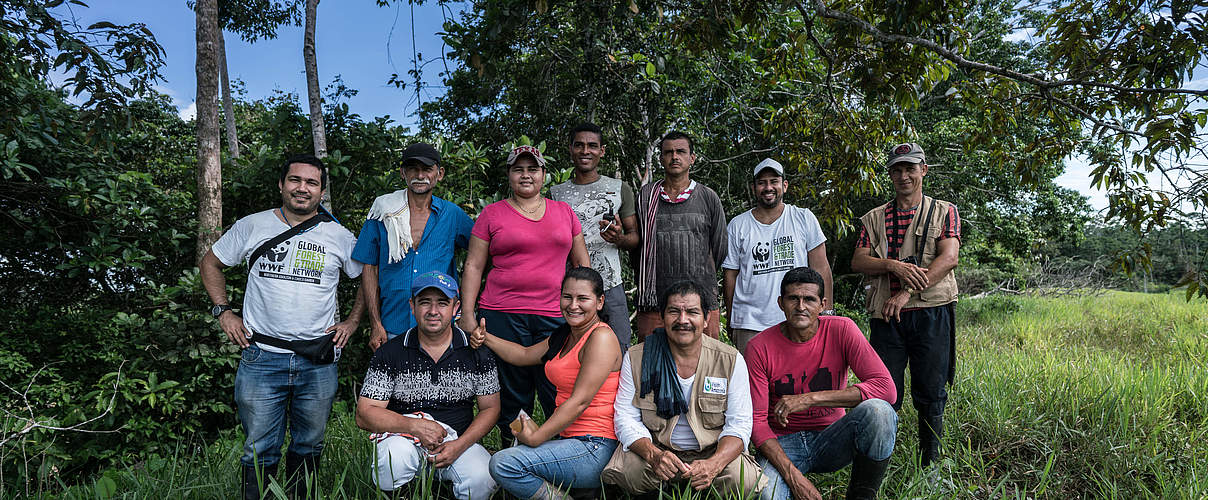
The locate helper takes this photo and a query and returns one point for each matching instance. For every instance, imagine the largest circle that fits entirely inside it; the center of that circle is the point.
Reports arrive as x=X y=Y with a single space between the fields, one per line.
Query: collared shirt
x=680 y=198
x=627 y=418
x=402 y=373
x=448 y=228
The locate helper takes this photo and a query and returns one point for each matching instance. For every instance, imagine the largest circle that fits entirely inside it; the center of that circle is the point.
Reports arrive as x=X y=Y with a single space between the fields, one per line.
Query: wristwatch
x=219 y=309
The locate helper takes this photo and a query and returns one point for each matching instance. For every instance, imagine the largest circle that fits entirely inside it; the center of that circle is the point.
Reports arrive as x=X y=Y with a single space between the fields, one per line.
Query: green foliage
x=110 y=352
x=36 y=41
x=1073 y=397
x=1174 y=256
x=754 y=80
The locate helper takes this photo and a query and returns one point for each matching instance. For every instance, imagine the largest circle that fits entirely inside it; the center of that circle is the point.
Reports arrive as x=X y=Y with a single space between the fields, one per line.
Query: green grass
x=1076 y=397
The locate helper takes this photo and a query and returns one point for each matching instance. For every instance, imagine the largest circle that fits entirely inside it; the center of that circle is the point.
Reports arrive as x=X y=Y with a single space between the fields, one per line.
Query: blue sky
x=355 y=39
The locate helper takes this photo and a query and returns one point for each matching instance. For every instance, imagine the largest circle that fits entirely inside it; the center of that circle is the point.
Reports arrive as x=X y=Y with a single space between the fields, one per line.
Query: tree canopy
x=1000 y=94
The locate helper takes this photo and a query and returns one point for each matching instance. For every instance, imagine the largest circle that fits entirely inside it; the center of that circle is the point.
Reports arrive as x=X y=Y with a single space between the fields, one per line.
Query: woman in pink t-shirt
x=529 y=239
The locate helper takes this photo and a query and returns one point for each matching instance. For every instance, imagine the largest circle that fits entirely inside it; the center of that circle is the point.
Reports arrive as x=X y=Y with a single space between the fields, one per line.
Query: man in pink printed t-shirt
x=799 y=393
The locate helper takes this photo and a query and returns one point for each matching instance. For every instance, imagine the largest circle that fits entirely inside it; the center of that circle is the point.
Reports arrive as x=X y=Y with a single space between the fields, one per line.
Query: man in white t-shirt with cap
x=764 y=244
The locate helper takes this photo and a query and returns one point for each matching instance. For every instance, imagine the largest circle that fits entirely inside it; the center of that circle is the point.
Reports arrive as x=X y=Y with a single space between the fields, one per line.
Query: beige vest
x=706 y=412
x=877 y=288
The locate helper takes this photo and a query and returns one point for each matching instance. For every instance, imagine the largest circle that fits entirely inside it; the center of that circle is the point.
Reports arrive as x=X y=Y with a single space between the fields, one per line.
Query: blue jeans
x=565 y=463
x=272 y=387
x=869 y=429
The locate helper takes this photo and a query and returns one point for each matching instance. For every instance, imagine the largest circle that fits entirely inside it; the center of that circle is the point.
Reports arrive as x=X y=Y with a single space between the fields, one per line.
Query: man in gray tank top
x=606 y=205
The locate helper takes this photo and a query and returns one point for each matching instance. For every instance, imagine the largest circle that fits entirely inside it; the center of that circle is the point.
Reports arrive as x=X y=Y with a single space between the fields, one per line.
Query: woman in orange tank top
x=574 y=444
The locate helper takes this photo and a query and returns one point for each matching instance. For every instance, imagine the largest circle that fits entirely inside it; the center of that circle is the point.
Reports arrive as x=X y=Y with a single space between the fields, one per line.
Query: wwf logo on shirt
x=762 y=251
x=277 y=253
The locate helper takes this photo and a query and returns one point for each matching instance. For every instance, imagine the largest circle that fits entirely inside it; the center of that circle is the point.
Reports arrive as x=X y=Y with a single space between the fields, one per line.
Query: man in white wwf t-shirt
x=290 y=297
x=765 y=243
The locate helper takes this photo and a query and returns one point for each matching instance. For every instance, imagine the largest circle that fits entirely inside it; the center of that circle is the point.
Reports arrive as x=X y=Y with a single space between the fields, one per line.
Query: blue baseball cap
x=435 y=279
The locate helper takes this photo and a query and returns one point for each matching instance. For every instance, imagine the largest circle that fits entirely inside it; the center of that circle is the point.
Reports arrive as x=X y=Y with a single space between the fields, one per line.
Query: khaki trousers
x=629 y=471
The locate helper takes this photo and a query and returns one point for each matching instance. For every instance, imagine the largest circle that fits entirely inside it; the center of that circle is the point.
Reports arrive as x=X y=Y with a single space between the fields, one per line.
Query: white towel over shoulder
x=391 y=210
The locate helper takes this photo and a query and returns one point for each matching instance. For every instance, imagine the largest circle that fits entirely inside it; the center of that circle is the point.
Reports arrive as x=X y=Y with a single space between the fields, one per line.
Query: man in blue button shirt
x=407 y=233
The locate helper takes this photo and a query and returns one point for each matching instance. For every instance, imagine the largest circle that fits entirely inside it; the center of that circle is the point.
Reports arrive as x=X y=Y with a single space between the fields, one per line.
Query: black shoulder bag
x=322 y=216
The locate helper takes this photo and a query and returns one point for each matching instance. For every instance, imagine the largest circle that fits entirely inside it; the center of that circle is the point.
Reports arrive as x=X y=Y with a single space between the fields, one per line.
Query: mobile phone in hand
x=611 y=218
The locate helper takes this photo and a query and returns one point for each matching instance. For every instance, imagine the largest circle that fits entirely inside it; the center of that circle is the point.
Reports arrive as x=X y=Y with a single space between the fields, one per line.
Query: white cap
x=768 y=163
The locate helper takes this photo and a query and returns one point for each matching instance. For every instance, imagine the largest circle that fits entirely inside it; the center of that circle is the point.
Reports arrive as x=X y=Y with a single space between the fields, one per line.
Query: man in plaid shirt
x=907 y=250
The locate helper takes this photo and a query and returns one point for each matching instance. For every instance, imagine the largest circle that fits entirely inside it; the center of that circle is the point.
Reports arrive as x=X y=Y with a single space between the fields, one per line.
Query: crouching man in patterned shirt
x=419 y=394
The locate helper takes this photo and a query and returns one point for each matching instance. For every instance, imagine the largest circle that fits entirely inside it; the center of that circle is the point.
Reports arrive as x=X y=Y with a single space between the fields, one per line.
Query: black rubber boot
x=301 y=476
x=866 y=477
x=253 y=485
x=584 y=493
x=930 y=430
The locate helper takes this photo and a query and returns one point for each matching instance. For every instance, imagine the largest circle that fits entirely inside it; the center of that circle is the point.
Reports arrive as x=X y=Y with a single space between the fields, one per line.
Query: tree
x=209 y=156
x=1109 y=80
x=828 y=85
x=228 y=106
x=746 y=87
x=252 y=20
x=312 y=80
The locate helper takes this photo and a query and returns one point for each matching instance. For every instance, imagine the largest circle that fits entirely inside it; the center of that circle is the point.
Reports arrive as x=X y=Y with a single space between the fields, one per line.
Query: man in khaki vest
x=683 y=408
x=907 y=250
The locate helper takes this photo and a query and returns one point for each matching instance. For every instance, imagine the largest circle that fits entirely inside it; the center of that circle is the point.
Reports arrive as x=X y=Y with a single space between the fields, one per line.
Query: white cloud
x=1020 y=35
x=189 y=112
x=1077 y=176
x=165 y=91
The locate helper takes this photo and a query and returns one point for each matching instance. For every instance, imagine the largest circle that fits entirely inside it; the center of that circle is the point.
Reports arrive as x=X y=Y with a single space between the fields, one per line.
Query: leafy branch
x=33 y=422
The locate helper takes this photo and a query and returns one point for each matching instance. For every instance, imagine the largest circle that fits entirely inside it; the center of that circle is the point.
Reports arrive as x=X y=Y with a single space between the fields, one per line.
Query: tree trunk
x=209 y=161
x=312 y=92
x=228 y=107
x=312 y=81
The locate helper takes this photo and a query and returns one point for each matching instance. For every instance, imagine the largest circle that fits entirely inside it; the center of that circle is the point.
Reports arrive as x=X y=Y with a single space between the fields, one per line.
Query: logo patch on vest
x=715 y=385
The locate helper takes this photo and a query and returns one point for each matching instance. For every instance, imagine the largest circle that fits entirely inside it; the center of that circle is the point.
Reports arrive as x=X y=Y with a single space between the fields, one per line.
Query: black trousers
x=518 y=383
x=924 y=339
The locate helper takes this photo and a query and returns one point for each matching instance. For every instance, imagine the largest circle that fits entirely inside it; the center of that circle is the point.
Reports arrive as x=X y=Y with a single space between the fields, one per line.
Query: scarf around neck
x=646 y=278
x=391 y=210
x=659 y=375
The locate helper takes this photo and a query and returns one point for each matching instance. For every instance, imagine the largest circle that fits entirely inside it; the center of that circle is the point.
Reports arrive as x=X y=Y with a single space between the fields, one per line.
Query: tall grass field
x=1095 y=396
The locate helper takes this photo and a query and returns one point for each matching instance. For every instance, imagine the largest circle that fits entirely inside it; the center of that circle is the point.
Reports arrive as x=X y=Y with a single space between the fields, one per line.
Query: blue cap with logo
x=436 y=279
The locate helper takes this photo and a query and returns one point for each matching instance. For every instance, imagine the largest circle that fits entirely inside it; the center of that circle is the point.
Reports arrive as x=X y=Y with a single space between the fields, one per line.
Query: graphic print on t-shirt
x=777 y=255
x=590 y=204
x=821 y=381
x=305 y=266
x=789 y=384
x=277 y=253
